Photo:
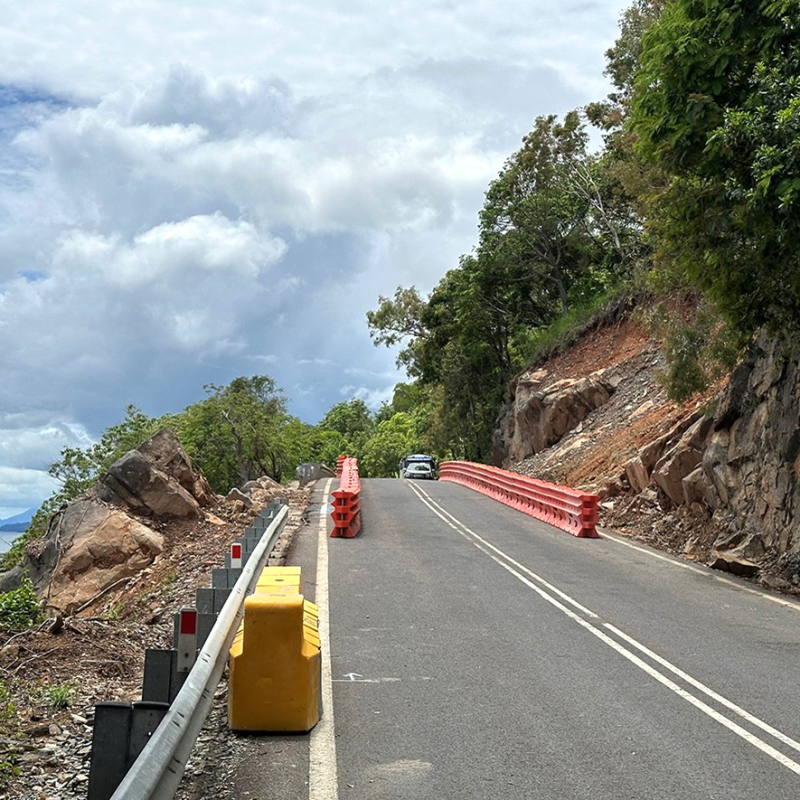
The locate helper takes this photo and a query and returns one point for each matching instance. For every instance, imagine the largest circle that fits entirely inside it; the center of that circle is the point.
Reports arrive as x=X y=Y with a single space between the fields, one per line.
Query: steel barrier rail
x=155 y=775
x=565 y=508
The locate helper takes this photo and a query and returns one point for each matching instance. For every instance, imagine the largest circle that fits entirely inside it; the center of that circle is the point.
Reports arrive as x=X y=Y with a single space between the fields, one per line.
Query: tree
x=235 y=434
x=352 y=419
x=715 y=105
x=398 y=320
x=531 y=218
x=393 y=439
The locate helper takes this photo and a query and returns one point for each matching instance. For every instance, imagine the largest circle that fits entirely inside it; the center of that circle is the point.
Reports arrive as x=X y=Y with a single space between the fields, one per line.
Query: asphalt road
x=478 y=653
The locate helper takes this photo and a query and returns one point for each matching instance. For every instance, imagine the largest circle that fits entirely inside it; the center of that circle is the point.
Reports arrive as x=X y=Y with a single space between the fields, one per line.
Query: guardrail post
x=162 y=680
x=186 y=644
x=121 y=731
x=210 y=601
x=224 y=578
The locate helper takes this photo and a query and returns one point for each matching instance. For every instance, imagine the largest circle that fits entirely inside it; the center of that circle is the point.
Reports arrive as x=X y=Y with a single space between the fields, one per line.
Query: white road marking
x=591 y=622
x=323 y=780
x=706 y=573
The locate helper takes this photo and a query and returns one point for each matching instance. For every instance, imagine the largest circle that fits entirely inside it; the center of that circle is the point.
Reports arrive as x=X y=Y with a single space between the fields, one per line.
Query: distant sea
x=6 y=538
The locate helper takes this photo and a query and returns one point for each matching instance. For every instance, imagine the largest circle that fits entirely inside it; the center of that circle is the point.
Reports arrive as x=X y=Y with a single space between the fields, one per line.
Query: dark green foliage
x=21 y=608
x=235 y=434
x=348 y=426
x=556 y=231
x=717 y=106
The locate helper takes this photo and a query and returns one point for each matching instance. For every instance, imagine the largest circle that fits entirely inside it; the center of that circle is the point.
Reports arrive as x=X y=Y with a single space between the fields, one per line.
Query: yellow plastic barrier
x=274 y=683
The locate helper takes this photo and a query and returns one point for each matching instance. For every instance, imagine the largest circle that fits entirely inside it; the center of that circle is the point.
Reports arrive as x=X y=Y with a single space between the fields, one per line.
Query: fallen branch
x=100 y=594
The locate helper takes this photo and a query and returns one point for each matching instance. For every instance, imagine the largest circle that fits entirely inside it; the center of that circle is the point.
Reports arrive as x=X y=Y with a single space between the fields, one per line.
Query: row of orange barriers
x=568 y=509
x=347 y=500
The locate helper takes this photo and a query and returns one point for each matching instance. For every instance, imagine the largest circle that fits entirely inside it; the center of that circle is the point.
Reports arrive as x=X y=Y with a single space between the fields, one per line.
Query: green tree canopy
x=235 y=435
x=717 y=105
x=393 y=439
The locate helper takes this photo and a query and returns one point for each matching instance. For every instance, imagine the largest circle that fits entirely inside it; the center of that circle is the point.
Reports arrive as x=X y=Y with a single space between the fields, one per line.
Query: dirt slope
x=593 y=455
x=98 y=656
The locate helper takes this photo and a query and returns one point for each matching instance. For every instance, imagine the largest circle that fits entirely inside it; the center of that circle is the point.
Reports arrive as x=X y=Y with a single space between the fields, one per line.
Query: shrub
x=21 y=608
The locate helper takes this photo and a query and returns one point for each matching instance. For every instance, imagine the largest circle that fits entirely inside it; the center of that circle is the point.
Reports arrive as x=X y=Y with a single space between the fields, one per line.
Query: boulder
x=88 y=548
x=236 y=494
x=165 y=452
x=694 y=487
x=541 y=414
x=135 y=482
x=637 y=473
x=736 y=565
x=682 y=460
x=639 y=469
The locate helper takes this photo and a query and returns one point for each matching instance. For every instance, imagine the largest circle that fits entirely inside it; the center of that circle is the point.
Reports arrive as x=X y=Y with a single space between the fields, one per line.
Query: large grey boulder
x=156 y=478
x=136 y=483
x=165 y=452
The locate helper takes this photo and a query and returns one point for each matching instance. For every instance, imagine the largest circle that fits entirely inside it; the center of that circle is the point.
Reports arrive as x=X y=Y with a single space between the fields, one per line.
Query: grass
x=549 y=341
x=58 y=696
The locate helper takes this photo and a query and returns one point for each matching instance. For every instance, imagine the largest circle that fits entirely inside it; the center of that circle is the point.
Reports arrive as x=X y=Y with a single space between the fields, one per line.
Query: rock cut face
x=91 y=548
x=543 y=414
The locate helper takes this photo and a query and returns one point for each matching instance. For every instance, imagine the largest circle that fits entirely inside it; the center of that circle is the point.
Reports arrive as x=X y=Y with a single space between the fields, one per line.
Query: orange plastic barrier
x=347 y=501
x=340 y=465
x=568 y=509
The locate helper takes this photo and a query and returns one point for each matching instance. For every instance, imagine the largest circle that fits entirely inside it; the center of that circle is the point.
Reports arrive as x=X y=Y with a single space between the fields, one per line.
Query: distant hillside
x=18 y=523
x=14 y=527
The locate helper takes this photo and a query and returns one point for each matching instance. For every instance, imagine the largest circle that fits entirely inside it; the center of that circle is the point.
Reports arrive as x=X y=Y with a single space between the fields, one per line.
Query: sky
x=191 y=191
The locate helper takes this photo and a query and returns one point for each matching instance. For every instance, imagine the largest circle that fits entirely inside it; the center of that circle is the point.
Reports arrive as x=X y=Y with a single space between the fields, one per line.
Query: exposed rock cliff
x=752 y=458
x=715 y=479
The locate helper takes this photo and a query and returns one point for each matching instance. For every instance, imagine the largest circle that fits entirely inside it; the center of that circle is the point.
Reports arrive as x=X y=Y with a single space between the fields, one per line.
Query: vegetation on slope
x=694 y=193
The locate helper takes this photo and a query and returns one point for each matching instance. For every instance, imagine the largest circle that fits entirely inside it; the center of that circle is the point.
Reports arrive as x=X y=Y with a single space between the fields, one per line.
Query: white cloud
x=194 y=192
x=372 y=397
x=29 y=441
x=25 y=488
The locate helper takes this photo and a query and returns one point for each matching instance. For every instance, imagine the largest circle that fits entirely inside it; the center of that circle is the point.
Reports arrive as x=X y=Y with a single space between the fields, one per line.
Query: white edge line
x=323 y=780
x=705 y=571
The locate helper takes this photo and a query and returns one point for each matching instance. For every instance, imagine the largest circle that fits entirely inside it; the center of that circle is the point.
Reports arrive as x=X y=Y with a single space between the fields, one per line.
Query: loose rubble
x=98 y=655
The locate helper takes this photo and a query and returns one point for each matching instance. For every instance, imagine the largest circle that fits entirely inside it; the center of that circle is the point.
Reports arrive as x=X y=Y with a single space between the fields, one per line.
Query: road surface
x=474 y=652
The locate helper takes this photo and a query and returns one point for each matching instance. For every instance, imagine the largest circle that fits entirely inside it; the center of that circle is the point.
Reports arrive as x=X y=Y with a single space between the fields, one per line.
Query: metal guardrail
x=155 y=775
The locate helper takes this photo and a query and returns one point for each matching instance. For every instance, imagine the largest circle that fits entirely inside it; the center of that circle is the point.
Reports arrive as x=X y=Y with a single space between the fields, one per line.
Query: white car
x=421 y=470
